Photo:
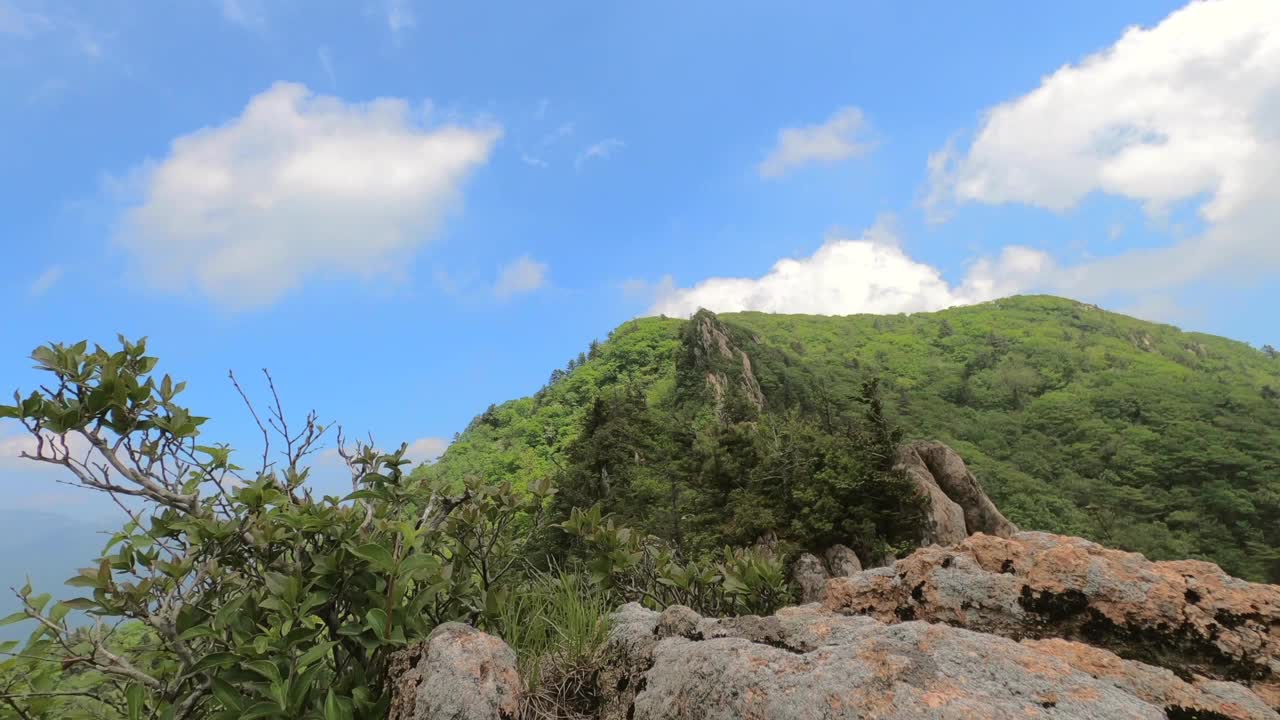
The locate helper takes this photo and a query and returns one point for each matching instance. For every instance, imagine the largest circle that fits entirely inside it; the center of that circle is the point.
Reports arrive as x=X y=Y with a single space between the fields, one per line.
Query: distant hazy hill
x=47 y=548
x=1077 y=420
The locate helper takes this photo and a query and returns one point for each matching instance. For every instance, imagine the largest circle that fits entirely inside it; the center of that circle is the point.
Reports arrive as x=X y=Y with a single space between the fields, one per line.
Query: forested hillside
x=1077 y=420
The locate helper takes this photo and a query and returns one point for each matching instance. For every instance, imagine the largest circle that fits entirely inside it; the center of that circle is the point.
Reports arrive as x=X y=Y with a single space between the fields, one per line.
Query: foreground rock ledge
x=457 y=673
x=1187 y=616
x=809 y=663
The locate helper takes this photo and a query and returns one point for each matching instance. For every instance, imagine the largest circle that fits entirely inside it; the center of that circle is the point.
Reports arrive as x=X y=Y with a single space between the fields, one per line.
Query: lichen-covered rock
x=457 y=673
x=958 y=506
x=811 y=577
x=1187 y=616
x=808 y=663
x=677 y=620
x=841 y=561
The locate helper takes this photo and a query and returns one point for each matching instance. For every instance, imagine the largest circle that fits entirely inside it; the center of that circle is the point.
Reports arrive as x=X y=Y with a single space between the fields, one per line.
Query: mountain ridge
x=1078 y=420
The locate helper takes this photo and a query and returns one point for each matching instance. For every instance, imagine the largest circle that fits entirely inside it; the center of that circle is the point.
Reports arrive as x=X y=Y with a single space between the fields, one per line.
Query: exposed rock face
x=1187 y=616
x=809 y=574
x=809 y=663
x=841 y=561
x=712 y=339
x=457 y=673
x=959 y=506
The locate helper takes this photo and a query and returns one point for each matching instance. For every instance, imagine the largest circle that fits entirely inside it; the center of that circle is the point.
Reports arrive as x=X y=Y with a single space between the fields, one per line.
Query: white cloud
x=297 y=185
x=599 y=151
x=834 y=140
x=427 y=449
x=46 y=280
x=1188 y=110
x=871 y=274
x=522 y=275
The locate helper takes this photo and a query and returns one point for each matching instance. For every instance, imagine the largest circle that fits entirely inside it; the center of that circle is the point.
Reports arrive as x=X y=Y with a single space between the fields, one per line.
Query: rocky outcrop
x=841 y=561
x=727 y=367
x=457 y=673
x=1187 y=616
x=808 y=662
x=810 y=577
x=958 y=505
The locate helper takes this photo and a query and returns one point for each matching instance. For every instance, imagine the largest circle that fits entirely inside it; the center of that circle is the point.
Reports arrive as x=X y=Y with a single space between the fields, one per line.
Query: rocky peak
x=958 y=505
x=726 y=368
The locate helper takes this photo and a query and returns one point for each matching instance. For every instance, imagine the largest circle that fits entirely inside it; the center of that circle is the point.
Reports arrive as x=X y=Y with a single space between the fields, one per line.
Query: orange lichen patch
x=941 y=695
x=1042 y=665
x=1188 y=616
x=1085 y=694
x=1154 y=685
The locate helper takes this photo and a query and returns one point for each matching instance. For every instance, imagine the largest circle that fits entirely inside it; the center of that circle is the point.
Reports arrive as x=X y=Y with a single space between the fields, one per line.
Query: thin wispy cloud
x=555 y=136
x=326 y=64
x=533 y=161
x=400 y=16
x=839 y=138
x=522 y=275
x=248 y=13
x=602 y=150
x=45 y=281
x=20 y=22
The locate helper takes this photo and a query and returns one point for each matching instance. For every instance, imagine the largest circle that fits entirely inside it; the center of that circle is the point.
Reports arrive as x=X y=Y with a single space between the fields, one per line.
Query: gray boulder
x=958 y=505
x=841 y=561
x=809 y=574
x=457 y=673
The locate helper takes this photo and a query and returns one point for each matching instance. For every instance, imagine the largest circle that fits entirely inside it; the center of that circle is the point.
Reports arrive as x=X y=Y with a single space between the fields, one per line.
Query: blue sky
x=408 y=210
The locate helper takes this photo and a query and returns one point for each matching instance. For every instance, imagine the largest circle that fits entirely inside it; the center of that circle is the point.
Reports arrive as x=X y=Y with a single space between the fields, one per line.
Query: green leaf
x=59 y=612
x=315 y=653
x=226 y=694
x=335 y=709
x=261 y=710
x=264 y=668
x=376 y=620
x=135 y=696
x=376 y=554
x=11 y=619
x=218 y=659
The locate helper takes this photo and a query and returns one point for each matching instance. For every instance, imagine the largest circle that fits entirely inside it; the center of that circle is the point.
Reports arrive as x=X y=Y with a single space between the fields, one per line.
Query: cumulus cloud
x=834 y=140
x=1187 y=110
x=522 y=275
x=298 y=184
x=599 y=151
x=871 y=274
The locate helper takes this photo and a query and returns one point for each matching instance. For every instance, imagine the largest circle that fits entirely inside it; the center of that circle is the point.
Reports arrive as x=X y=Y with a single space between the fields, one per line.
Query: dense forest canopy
x=1077 y=421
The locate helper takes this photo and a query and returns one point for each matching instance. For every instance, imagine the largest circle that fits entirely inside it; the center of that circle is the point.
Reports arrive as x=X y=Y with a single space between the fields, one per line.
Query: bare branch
x=266 y=437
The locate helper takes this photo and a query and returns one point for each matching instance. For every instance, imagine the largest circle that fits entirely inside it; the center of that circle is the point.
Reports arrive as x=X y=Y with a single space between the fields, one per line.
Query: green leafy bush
x=260 y=600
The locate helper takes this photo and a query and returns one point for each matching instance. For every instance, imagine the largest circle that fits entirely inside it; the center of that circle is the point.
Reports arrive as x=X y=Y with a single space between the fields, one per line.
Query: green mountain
x=1077 y=421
